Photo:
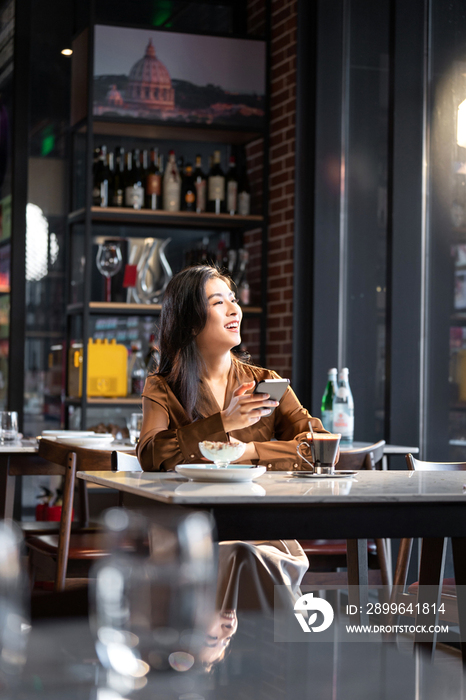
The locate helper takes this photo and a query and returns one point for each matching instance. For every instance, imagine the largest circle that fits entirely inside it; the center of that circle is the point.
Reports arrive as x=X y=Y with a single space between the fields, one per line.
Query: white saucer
x=203 y=472
x=86 y=440
x=339 y=474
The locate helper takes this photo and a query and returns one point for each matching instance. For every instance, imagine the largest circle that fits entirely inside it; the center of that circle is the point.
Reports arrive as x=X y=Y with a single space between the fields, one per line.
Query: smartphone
x=274 y=387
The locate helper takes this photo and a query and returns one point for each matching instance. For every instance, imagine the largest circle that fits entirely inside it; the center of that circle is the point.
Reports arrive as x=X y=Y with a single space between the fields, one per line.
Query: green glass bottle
x=327 y=399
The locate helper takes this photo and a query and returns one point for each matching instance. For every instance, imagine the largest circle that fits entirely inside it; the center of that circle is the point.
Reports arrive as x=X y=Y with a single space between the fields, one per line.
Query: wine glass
x=108 y=263
x=152 y=598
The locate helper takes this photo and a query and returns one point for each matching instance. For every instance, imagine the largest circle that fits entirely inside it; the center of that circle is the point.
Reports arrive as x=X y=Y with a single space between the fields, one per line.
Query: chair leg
x=83 y=503
x=65 y=523
x=382 y=556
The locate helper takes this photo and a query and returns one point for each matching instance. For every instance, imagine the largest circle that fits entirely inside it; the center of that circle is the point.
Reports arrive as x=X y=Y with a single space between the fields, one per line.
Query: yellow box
x=107 y=365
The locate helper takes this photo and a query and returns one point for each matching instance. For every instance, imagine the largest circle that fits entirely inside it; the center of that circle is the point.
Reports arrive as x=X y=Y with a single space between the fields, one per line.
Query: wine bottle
x=101 y=180
x=343 y=408
x=153 y=183
x=244 y=292
x=216 y=186
x=328 y=399
x=244 y=194
x=111 y=176
x=171 y=185
x=200 y=183
x=232 y=187
x=138 y=179
x=134 y=193
x=188 y=190
x=118 y=191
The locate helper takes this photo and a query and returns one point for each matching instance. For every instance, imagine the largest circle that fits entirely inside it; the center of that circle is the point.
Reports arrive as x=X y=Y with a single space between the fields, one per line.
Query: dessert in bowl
x=222 y=453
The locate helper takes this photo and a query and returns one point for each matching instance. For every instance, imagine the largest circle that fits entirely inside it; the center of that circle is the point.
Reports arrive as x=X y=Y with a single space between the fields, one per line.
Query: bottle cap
x=333 y=370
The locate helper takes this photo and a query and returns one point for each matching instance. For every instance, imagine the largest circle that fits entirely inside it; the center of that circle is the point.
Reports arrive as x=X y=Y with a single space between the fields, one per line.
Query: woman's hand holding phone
x=246 y=409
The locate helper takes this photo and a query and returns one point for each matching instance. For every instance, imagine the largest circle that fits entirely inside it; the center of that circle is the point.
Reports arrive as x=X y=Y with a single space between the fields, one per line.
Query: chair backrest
x=86 y=459
x=404 y=553
x=124 y=462
x=369 y=457
x=64 y=462
x=418 y=465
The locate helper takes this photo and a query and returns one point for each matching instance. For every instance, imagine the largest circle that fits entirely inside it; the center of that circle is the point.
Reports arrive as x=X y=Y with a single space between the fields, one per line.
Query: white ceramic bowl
x=97 y=440
x=222 y=453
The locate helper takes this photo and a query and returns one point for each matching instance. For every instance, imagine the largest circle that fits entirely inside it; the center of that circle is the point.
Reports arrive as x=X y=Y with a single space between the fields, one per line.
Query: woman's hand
x=249 y=453
x=245 y=409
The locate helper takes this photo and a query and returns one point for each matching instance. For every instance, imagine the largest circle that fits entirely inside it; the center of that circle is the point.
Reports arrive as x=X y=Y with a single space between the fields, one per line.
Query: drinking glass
x=109 y=261
x=135 y=426
x=152 y=599
x=324 y=450
x=8 y=426
x=222 y=453
x=14 y=594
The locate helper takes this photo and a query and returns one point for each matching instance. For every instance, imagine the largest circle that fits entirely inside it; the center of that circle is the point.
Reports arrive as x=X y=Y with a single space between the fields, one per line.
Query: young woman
x=201 y=391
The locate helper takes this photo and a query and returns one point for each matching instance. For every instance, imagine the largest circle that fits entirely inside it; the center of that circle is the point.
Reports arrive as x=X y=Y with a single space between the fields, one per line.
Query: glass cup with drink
x=8 y=427
x=324 y=451
x=135 y=426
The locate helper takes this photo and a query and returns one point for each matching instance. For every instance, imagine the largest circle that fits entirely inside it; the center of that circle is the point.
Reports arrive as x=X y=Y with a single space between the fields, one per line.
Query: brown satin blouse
x=169 y=438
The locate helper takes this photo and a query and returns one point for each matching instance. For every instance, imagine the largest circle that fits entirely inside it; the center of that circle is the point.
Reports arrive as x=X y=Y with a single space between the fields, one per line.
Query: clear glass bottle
x=343 y=408
x=134 y=192
x=244 y=194
x=328 y=399
x=171 y=185
x=216 y=186
x=200 y=183
x=137 y=370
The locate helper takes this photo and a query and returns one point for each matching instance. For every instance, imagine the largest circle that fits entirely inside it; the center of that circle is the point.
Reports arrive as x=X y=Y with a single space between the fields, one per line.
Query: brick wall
x=281 y=188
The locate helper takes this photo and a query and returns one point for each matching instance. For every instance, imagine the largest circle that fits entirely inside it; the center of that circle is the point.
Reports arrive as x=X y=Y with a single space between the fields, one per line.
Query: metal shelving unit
x=91 y=220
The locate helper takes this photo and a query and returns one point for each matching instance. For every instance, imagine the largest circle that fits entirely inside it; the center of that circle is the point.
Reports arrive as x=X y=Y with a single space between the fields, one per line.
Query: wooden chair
x=326 y=556
x=409 y=596
x=77 y=549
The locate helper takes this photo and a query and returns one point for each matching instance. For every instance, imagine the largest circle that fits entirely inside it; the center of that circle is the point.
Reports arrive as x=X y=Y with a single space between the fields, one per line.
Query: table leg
x=358 y=577
x=7 y=488
x=430 y=589
x=459 y=562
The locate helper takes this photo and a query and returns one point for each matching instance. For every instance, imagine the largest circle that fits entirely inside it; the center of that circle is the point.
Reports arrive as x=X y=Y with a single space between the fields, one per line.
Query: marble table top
x=281 y=488
x=24 y=446
x=30 y=446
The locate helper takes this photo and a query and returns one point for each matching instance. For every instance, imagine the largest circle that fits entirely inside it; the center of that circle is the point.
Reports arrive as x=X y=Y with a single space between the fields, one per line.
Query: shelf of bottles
x=137 y=198
x=137 y=180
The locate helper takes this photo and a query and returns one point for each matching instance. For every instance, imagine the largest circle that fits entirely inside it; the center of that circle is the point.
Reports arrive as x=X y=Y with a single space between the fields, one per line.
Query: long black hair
x=184 y=315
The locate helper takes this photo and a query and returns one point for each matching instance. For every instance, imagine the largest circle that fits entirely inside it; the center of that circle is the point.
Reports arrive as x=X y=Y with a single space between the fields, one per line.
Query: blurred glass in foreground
x=153 y=599
x=14 y=615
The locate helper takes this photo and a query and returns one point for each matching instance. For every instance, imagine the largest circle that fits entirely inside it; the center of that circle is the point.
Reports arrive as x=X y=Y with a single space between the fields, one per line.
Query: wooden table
x=20 y=459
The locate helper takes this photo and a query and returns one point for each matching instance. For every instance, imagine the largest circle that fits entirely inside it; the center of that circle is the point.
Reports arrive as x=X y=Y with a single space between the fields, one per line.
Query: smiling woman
x=203 y=391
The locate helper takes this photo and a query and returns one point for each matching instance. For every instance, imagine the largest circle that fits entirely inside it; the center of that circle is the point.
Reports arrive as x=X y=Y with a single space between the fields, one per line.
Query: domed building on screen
x=149 y=83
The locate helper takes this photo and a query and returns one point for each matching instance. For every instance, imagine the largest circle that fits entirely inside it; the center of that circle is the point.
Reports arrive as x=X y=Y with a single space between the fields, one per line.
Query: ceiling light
x=67 y=52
